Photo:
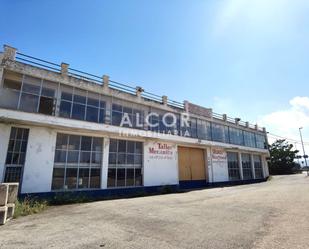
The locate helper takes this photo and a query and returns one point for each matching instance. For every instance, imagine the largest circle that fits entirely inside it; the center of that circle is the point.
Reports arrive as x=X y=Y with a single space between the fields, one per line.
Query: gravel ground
x=272 y=214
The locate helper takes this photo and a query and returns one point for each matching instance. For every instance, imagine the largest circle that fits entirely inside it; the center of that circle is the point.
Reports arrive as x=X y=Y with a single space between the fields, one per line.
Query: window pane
x=233 y=166
x=120 y=177
x=62 y=141
x=79 y=99
x=58 y=178
x=138 y=177
x=85 y=157
x=71 y=178
x=28 y=102
x=46 y=106
x=12 y=174
x=73 y=156
x=74 y=142
x=122 y=145
x=86 y=143
x=116 y=118
x=111 y=181
x=138 y=147
x=95 y=178
x=96 y=158
x=83 y=178
x=113 y=145
x=30 y=88
x=93 y=102
x=130 y=177
x=92 y=114
x=97 y=144
x=78 y=111
x=112 y=158
x=65 y=109
x=102 y=116
x=60 y=156
x=131 y=147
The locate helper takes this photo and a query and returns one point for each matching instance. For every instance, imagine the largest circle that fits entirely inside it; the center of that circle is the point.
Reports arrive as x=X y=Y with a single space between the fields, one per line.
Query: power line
x=288 y=139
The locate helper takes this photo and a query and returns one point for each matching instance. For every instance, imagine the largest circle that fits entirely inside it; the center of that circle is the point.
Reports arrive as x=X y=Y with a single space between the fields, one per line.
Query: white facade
x=160 y=158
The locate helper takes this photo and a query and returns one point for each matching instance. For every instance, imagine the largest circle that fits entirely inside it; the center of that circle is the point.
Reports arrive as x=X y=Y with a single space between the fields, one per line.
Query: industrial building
x=62 y=129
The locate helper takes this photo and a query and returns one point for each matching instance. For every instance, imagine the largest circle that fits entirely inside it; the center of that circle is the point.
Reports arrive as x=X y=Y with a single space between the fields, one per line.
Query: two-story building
x=62 y=129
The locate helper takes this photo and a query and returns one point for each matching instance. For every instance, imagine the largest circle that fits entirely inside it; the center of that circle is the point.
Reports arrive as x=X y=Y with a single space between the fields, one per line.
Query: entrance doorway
x=191 y=164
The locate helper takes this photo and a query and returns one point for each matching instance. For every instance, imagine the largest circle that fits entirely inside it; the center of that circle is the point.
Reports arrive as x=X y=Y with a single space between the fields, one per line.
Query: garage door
x=191 y=164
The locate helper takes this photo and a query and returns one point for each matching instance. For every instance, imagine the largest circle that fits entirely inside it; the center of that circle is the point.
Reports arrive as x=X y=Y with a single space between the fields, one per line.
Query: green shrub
x=29 y=206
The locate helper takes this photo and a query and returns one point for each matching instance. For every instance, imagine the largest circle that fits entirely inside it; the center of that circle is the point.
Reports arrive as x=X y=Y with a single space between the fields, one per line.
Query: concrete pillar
x=39 y=164
x=247 y=124
x=5 y=130
x=4 y=192
x=256 y=127
x=237 y=121
x=209 y=164
x=252 y=166
x=9 y=52
x=164 y=100
x=12 y=192
x=104 y=166
x=105 y=82
x=64 y=69
x=186 y=105
x=224 y=117
x=240 y=166
x=139 y=91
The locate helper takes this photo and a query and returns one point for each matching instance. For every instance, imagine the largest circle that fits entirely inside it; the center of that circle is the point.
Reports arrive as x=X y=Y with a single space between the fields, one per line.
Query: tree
x=282 y=156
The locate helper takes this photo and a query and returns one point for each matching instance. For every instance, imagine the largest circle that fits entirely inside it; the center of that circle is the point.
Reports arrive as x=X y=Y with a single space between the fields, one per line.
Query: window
x=258 y=166
x=260 y=141
x=125 y=163
x=29 y=94
x=233 y=166
x=77 y=163
x=16 y=154
x=249 y=139
x=203 y=129
x=236 y=136
x=220 y=133
x=9 y=95
x=81 y=105
x=246 y=166
x=136 y=117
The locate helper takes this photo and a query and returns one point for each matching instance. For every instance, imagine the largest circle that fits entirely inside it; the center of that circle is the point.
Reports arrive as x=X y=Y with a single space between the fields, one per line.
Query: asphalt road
x=273 y=214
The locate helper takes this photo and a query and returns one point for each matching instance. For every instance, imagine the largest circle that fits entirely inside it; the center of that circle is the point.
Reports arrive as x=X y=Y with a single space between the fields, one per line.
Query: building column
x=209 y=164
x=104 y=166
x=252 y=166
x=240 y=166
x=4 y=142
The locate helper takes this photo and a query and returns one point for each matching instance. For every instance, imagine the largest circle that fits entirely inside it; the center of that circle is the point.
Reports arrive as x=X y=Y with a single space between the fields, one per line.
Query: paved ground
x=273 y=214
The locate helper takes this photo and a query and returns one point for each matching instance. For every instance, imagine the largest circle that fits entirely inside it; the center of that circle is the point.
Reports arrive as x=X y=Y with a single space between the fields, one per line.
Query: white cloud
x=286 y=122
x=264 y=15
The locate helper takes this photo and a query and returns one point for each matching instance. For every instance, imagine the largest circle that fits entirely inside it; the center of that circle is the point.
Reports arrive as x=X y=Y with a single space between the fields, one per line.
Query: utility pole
x=302 y=143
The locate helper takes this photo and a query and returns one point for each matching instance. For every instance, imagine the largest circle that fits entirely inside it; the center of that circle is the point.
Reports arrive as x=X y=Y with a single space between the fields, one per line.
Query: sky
x=246 y=58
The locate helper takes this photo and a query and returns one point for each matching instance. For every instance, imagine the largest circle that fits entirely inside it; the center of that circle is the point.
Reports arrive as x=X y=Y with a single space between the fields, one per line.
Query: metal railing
x=27 y=59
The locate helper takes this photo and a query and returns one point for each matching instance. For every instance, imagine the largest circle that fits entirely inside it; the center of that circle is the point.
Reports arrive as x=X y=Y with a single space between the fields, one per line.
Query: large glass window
x=125 y=163
x=28 y=94
x=133 y=117
x=16 y=154
x=260 y=141
x=258 y=166
x=249 y=139
x=233 y=166
x=203 y=129
x=246 y=166
x=220 y=133
x=77 y=162
x=82 y=105
x=236 y=136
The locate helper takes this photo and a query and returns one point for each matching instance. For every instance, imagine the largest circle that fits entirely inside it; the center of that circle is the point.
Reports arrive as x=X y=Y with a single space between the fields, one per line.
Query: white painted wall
x=219 y=165
x=160 y=169
x=5 y=131
x=38 y=168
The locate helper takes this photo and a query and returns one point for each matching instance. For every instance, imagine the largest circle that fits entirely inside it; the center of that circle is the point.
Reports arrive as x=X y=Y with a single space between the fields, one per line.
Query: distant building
x=62 y=129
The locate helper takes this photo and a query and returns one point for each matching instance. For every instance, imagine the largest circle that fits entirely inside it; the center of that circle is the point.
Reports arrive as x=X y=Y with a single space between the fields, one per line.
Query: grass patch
x=29 y=206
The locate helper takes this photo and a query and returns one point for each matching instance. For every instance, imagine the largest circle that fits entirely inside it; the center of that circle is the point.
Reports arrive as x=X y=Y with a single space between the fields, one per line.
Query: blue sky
x=244 y=58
